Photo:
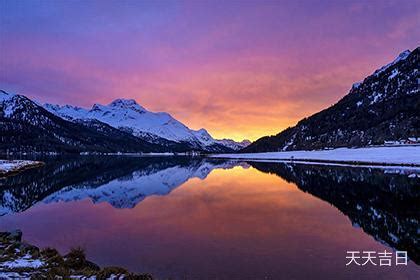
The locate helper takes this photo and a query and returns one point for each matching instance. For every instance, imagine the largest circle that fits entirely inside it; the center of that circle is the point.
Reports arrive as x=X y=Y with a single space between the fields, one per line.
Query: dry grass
x=58 y=266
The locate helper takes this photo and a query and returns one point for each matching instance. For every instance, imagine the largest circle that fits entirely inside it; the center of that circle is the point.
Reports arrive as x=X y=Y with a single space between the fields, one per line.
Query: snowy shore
x=398 y=156
x=21 y=260
x=8 y=167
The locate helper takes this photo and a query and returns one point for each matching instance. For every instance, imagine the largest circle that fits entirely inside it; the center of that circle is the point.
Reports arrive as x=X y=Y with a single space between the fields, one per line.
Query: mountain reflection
x=121 y=181
x=383 y=202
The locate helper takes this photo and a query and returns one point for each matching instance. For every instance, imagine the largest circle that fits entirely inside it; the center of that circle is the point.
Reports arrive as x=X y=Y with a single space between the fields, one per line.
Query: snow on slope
x=8 y=103
x=67 y=112
x=375 y=155
x=23 y=262
x=7 y=166
x=400 y=57
x=5 y=95
x=128 y=115
x=233 y=144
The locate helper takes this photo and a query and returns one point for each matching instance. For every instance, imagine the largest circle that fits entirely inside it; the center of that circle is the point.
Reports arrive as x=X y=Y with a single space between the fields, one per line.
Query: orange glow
x=242 y=76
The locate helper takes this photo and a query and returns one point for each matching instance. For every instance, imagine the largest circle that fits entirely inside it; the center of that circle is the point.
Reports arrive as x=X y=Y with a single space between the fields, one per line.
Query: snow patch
x=5 y=95
x=394 y=73
x=401 y=56
x=375 y=97
x=25 y=261
x=10 y=165
x=356 y=85
x=386 y=155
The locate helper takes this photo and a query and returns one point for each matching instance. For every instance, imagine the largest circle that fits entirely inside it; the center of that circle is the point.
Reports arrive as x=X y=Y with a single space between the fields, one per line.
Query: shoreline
x=325 y=162
x=385 y=156
x=21 y=260
x=13 y=167
x=404 y=156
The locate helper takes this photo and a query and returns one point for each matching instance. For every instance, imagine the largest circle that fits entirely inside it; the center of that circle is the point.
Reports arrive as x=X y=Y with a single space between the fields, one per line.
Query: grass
x=58 y=266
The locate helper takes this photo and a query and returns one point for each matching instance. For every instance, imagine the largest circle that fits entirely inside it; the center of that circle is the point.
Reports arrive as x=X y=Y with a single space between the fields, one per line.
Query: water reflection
x=383 y=202
x=121 y=181
x=219 y=220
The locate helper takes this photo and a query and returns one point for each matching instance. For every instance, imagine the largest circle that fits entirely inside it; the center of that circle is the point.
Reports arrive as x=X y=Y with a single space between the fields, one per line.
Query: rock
x=16 y=235
x=28 y=248
x=92 y=266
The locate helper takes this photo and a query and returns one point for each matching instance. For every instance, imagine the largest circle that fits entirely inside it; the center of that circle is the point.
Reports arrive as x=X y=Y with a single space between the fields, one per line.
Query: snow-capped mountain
x=384 y=107
x=26 y=126
x=127 y=115
x=236 y=146
x=121 y=126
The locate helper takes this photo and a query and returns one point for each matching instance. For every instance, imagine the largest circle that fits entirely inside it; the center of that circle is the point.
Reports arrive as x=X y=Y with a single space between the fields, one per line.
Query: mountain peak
x=403 y=55
x=4 y=95
x=156 y=128
x=126 y=103
x=245 y=142
x=97 y=107
x=202 y=131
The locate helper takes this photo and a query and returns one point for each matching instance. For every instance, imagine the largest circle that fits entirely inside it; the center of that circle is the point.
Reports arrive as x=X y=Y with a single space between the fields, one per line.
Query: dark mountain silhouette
x=384 y=107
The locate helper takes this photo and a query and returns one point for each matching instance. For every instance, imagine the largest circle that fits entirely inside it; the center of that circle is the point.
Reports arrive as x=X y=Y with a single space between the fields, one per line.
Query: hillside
x=26 y=127
x=384 y=107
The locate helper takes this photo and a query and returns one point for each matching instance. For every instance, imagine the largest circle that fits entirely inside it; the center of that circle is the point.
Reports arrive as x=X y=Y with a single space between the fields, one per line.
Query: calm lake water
x=196 y=218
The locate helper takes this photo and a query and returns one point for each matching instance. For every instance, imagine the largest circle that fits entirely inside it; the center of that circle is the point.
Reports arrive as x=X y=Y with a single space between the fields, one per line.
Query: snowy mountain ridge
x=121 y=126
x=5 y=95
x=128 y=115
x=402 y=56
x=25 y=126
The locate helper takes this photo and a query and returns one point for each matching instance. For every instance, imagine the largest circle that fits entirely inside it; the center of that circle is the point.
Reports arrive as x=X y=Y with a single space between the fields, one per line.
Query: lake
x=201 y=218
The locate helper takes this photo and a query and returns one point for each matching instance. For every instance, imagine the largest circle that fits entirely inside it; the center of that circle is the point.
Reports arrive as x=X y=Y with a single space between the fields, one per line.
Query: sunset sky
x=240 y=69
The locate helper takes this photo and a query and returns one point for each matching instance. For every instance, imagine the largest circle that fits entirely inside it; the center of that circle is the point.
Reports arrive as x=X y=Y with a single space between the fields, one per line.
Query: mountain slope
x=27 y=127
x=122 y=126
x=384 y=107
x=236 y=146
x=127 y=115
